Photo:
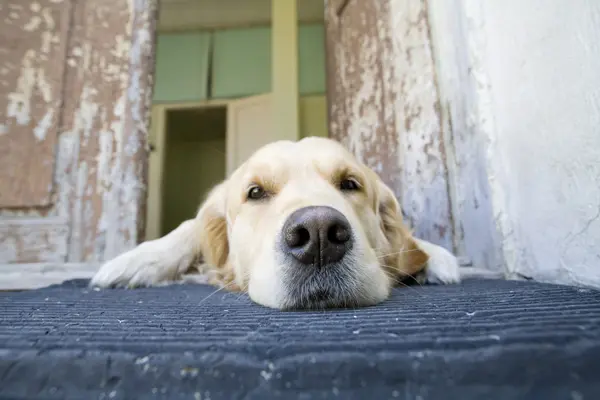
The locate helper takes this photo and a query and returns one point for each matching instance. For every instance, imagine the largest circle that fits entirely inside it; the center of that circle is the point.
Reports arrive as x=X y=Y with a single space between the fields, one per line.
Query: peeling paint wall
x=463 y=97
x=33 y=240
x=109 y=78
x=521 y=88
x=384 y=104
x=484 y=117
x=32 y=40
x=75 y=95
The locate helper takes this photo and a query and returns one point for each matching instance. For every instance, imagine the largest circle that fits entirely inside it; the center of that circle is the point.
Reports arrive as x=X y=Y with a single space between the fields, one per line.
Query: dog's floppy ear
x=212 y=240
x=404 y=258
x=212 y=227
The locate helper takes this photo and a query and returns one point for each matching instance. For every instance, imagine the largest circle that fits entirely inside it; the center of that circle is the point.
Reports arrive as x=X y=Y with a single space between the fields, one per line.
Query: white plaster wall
x=535 y=67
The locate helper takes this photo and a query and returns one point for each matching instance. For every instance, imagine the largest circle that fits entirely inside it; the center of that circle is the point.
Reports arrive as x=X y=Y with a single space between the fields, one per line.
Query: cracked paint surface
x=31 y=81
x=384 y=105
x=89 y=184
x=546 y=142
x=522 y=93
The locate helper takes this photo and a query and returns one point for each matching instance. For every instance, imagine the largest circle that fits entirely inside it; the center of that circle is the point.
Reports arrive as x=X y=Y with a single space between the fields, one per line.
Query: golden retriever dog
x=298 y=225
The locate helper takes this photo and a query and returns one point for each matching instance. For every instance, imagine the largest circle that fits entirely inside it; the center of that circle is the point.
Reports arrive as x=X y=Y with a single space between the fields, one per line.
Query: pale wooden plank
x=32 y=59
x=38 y=275
x=104 y=152
x=33 y=240
x=476 y=229
x=384 y=105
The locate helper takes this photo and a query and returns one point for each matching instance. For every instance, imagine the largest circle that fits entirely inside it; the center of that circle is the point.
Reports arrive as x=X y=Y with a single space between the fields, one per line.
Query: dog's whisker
x=394 y=277
x=243 y=291
x=216 y=291
x=416 y=290
x=411 y=287
x=405 y=274
x=397 y=252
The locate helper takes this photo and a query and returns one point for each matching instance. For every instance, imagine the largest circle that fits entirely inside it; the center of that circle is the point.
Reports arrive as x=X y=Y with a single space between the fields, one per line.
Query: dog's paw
x=145 y=265
x=442 y=267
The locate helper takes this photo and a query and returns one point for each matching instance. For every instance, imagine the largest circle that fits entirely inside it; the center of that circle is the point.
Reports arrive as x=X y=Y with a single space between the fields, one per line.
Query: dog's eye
x=256 y=193
x=349 y=184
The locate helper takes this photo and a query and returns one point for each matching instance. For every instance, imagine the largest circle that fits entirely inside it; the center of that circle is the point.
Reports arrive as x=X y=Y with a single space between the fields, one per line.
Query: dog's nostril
x=298 y=237
x=317 y=235
x=338 y=234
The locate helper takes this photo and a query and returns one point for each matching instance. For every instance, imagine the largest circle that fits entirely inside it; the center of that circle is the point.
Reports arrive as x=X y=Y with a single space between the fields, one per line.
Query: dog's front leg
x=153 y=262
x=442 y=266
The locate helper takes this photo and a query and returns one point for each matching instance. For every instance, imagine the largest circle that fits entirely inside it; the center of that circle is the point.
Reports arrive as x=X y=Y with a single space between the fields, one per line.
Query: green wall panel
x=311 y=57
x=182 y=67
x=241 y=62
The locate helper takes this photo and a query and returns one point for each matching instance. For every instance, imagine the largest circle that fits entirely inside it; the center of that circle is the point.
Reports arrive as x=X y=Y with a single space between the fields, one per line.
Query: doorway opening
x=189 y=158
x=193 y=147
x=194 y=161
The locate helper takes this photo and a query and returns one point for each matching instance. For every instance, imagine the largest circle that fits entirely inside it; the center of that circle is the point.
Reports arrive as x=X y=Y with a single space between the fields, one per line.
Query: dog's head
x=305 y=225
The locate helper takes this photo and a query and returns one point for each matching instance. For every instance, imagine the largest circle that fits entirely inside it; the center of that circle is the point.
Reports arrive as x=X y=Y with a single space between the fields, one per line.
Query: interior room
x=194 y=161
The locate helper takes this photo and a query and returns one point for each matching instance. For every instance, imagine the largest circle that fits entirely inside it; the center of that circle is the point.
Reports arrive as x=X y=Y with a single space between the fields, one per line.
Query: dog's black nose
x=317 y=235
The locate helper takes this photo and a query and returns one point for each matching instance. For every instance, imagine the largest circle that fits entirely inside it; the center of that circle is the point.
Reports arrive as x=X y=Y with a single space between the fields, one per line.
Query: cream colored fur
x=232 y=239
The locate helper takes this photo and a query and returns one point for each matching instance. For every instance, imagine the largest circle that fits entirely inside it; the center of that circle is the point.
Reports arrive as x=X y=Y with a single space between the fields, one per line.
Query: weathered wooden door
x=75 y=89
x=384 y=104
x=249 y=127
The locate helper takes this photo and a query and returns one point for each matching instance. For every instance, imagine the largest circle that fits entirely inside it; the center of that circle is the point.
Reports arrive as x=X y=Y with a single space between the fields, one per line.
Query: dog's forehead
x=307 y=151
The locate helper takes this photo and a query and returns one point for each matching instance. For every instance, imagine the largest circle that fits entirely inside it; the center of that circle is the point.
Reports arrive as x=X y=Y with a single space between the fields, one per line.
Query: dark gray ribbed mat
x=480 y=339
